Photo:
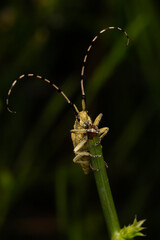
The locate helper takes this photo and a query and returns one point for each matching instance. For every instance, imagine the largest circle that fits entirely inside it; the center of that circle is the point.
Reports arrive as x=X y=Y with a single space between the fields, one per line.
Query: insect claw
x=94 y=169
x=106 y=165
x=97 y=143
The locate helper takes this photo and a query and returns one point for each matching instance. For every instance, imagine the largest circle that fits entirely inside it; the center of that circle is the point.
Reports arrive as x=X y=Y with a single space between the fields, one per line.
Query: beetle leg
x=103 y=132
x=86 y=154
x=80 y=145
x=77 y=159
x=78 y=131
x=83 y=131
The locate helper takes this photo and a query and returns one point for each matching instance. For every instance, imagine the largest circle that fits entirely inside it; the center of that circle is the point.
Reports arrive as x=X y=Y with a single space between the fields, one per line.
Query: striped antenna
x=86 y=56
x=47 y=81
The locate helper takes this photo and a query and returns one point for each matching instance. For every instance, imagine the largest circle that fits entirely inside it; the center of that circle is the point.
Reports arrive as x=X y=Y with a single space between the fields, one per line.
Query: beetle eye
x=78 y=118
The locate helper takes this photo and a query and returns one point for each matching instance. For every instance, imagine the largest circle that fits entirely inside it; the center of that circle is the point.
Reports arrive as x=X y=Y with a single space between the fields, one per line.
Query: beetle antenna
x=44 y=79
x=86 y=56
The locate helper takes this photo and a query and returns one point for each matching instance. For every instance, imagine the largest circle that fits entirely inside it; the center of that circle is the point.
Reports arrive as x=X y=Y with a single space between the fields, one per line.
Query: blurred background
x=43 y=194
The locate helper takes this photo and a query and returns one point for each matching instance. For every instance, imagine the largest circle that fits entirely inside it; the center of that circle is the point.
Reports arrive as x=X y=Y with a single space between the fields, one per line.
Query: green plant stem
x=103 y=188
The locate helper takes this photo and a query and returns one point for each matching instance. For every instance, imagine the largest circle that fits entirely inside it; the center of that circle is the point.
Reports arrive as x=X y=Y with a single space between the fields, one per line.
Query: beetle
x=83 y=125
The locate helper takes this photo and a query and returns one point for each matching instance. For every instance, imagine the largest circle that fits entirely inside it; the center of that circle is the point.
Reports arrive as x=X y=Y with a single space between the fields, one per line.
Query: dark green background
x=43 y=195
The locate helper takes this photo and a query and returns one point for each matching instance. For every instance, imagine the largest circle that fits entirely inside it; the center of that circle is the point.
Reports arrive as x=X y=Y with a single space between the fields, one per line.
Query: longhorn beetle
x=83 y=124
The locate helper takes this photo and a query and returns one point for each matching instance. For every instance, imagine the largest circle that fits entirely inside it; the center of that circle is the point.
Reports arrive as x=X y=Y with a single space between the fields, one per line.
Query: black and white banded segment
x=42 y=78
x=89 y=49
